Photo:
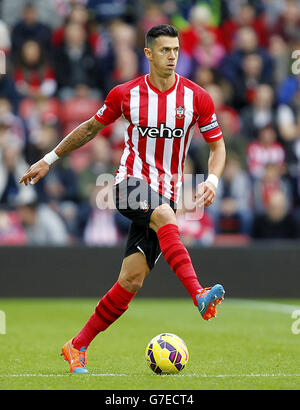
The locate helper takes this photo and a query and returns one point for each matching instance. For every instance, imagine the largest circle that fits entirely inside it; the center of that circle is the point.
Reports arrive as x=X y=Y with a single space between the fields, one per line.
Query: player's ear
x=148 y=53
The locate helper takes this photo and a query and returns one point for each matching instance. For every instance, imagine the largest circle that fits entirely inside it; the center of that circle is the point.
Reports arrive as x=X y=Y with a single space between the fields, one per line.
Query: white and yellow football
x=167 y=354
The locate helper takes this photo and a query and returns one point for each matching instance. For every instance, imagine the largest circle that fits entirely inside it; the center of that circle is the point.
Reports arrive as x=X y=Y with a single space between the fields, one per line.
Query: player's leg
x=115 y=302
x=111 y=306
x=163 y=222
x=133 y=272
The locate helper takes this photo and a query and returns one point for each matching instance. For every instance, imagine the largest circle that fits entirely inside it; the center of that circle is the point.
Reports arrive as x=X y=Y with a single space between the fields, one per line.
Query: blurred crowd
x=64 y=56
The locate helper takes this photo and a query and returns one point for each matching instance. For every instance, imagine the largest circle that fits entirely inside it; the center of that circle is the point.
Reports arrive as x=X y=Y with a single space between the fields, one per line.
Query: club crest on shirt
x=180 y=112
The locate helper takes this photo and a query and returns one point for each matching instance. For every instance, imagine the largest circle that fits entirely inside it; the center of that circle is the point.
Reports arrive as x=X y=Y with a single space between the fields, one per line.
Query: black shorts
x=136 y=200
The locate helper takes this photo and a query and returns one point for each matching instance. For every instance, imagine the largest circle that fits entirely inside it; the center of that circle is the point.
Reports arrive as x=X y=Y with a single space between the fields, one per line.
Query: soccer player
x=160 y=110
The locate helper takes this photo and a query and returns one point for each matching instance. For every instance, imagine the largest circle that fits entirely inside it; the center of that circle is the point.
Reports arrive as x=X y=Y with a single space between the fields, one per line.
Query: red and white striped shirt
x=159 y=129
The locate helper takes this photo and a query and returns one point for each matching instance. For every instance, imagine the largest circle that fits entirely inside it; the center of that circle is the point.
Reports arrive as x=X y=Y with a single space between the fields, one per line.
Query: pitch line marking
x=141 y=375
x=276 y=307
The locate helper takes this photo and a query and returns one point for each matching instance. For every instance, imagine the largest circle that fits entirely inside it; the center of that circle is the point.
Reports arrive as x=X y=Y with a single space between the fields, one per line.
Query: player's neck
x=162 y=83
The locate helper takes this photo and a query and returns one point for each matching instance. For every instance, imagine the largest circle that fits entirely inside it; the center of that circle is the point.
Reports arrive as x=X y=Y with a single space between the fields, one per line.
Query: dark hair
x=161 y=30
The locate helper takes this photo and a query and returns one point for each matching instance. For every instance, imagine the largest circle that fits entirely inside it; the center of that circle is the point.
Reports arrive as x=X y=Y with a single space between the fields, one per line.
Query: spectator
x=232 y=210
x=263 y=151
x=101 y=229
x=12 y=166
x=11 y=230
x=272 y=10
x=244 y=16
x=276 y=223
x=30 y=28
x=200 y=19
x=289 y=90
x=209 y=52
x=235 y=140
x=260 y=113
x=287 y=123
x=287 y=25
x=279 y=51
x=78 y=14
x=218 y=94
x=78 y=108
x=42 y=138
x=205 y=76
x=99 y=164
x=48 y=11
x=9 y=92
x=11 y=125
x=152 y=16
x=271 y=181
x=42 y=225
x=33 y=75
x=108 y=10
x=60 y=185
x=75 y=63
x=196 y=230
x=293 y=163
x=229 y=122
x=233 y=65
x=196 y=226
x=247 y=83
x=126 y=60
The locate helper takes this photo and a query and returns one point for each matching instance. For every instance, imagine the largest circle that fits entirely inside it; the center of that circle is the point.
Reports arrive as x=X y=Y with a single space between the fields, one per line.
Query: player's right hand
x=35 y=172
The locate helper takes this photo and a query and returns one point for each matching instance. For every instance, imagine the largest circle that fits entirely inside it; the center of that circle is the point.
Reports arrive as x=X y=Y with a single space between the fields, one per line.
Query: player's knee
x=161 y=216
x=132 y=284
x=133 y=280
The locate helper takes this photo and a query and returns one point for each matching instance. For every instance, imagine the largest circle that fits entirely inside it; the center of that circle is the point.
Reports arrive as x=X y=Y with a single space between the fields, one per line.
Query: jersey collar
x=157 y=91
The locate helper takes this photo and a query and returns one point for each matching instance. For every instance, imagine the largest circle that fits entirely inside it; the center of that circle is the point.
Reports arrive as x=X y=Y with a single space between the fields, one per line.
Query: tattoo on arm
x=80 y=136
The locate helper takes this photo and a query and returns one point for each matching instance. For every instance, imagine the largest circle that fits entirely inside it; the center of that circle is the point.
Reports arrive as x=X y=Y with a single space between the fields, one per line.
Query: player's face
x=163 y=55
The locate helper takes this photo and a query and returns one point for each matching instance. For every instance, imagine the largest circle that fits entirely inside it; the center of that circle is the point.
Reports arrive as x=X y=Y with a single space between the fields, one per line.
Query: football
x=167 y=354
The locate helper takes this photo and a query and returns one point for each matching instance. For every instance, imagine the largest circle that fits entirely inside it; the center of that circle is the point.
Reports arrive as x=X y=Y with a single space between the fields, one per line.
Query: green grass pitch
x=250 y=345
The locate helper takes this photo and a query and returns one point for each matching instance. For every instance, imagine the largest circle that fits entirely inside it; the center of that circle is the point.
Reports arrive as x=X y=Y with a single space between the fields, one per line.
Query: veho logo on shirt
x=160 y=132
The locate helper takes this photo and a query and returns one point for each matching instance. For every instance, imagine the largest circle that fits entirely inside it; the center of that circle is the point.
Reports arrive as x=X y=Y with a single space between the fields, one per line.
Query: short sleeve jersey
x=159 y=127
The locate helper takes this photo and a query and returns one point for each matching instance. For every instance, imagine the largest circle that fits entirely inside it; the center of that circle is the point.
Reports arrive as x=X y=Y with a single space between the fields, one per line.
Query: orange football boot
x=76 y=358
x=208 y=299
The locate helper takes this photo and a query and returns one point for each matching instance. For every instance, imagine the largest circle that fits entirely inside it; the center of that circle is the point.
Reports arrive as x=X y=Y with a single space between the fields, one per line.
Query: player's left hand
x=206 y=194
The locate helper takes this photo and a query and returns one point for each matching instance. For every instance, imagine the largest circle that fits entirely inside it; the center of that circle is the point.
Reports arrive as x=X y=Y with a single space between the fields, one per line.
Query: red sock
x=178 y=258
x=109 y=309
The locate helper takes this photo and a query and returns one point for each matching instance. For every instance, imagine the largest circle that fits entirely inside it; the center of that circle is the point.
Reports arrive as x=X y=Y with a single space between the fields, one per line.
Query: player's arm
x=216 y=163
x=80 y=136
x=212 y=134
